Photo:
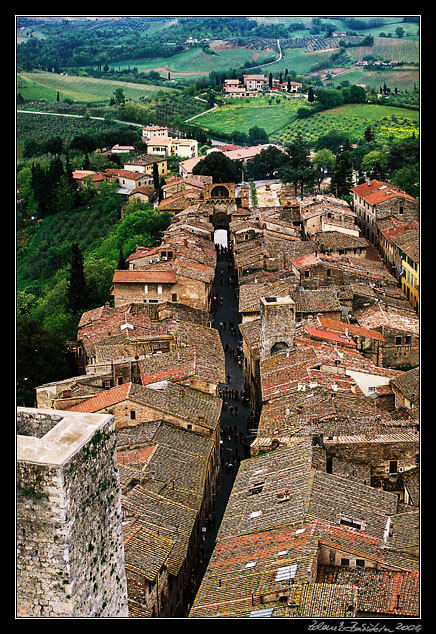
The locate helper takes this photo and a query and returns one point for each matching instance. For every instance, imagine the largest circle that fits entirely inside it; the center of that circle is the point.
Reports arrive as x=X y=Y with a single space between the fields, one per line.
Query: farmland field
x=353 y=119
x=390 y=49
x=403 y=78
x=241 y=114
x=40 y=127
x=43 y=85
x=194 y=62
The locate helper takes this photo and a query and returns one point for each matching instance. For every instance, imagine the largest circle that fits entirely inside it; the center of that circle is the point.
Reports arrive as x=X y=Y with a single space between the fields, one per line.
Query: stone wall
x=277 y=325
x=70 y=557
x=193 y=293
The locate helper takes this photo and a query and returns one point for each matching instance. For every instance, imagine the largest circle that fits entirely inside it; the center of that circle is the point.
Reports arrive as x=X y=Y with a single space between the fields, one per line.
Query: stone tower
x=277 y=325
x=70 y=556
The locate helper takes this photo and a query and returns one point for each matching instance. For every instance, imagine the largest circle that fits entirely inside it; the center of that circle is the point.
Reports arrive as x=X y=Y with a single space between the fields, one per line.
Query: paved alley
x=235 y=422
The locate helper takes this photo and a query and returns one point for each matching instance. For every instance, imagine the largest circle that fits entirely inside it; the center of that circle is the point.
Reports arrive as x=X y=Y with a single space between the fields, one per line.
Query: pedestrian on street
x=236 y=410
x=231 y=409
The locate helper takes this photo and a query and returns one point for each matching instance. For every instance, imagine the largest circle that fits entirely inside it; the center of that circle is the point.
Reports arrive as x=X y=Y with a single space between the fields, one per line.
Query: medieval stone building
x=70 y=557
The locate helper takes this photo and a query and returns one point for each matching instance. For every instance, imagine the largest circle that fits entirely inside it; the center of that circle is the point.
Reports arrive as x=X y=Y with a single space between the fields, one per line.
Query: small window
x=306 y=274
x=408 y=340
x=132 y=414
x=360 y=562
x=345 y=562
x=398 y=341
x=393 y=466
x=352 y=523
x=256 y=488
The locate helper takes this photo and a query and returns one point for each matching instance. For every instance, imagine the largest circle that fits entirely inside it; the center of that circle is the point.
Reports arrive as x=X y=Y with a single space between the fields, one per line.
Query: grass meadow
x=44 y=85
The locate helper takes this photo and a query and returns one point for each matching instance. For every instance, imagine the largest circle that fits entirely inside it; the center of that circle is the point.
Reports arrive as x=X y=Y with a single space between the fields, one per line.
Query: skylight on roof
x=287 y=572
x=267 y=613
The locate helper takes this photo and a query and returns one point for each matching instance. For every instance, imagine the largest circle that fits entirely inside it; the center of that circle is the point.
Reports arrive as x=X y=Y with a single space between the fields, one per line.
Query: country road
x=79 y=116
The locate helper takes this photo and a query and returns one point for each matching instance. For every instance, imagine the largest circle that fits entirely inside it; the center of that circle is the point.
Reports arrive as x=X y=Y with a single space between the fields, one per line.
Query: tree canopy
x=220 y=167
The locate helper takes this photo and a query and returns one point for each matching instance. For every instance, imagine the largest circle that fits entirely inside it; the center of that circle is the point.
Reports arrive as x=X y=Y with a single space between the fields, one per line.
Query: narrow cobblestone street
x=235 y=419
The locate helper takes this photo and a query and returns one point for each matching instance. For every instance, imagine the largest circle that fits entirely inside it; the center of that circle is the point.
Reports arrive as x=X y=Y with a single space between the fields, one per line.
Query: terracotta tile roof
x=144 y=277
x=145 y=550
x=380 y=591
x=103 y=400
x=129 y=174
x=374 y=192
x=316 y=300
x=166 y=496
x=408 y=383
x=358 y=331
x=327 y=335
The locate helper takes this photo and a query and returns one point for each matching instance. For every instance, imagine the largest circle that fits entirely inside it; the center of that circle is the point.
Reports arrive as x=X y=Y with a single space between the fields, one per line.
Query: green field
x=353 y=119
x=389 y=26
x=402 y=78
x=195 y=63
x=271 y=114
x=43 y=85
x=40 y=127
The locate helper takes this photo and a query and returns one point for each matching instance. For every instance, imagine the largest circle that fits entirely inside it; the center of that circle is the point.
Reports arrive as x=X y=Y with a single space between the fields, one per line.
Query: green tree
x=26 y=302
x=42 y=357
x=155 y=177
x=342 y=177
x=257 y=135
x=266 y=164
x=369 y=134
x=77 y=290
x=299 y=169
x=374 y=164
x=26 y=193
x=220 y=167
x=407 y=179
x=323 y=163
x=333 y=141
x=119 y=96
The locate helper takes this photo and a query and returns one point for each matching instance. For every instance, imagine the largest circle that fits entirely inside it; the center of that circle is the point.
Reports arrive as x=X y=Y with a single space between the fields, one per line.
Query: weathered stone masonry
x=70 y=558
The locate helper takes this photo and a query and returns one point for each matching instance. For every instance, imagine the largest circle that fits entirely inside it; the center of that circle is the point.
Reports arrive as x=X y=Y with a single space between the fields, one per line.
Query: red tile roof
x=374 y=192
x=340 y=326
x=133 y=456
x=144 y=277
x=329 y=336
x=103 y=400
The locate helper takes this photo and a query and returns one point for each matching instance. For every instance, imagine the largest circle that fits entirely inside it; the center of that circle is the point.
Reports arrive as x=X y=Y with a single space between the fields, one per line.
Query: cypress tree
x=155 y=177
x=341 y=181
x=121 y=266
x=77 y=291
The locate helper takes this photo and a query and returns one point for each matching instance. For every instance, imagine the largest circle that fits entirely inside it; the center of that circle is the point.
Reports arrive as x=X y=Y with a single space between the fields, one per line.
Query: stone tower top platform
x=46 y=436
